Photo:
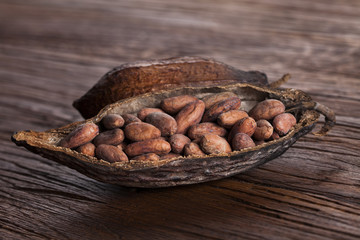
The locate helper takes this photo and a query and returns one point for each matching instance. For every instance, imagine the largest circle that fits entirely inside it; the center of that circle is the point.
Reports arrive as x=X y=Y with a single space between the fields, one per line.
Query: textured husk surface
x=132 y=79
x=182 y=170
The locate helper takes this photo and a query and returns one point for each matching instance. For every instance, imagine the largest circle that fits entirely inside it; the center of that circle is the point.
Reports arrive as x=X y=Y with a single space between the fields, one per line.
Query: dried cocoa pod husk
x=182 y=170
x=132 y=79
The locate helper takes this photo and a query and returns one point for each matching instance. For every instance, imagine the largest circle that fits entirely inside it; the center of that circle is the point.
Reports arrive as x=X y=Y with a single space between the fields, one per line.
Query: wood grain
x=52 y=52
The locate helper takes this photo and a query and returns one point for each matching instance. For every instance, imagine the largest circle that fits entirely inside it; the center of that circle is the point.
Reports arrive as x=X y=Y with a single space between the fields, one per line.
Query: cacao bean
x=263 y=130
x=246 y=125
x=241 y=141
x=164 y=122
x=178 y=142
x=283 y=123
x=214 y=144
x=215 y=110
x=229 y=118
x=109 y=137
x=130 y=118
x=198 y=130
x=193 y=149
x=173 y=105
x=157 y=146
x=212 y=99
x=146 y=111
x=110 y=153
x=80 y=135
x=191 y=114
x=267 y=109
x=139 y=131
x=87 y=149
x=112 y=121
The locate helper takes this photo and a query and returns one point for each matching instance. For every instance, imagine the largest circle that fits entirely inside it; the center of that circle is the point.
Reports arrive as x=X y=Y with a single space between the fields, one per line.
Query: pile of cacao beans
x=182 y=126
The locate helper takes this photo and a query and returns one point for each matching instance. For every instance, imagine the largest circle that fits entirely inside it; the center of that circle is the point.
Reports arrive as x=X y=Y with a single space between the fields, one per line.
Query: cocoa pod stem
x=329 y=115
x=285 y=78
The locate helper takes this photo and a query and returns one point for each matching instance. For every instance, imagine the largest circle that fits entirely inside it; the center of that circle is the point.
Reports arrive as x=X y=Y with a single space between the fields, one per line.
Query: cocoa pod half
x=132 y=79
x=182 y=170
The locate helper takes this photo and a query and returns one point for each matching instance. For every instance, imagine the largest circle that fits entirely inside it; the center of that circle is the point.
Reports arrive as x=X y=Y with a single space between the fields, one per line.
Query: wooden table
x=52 y=52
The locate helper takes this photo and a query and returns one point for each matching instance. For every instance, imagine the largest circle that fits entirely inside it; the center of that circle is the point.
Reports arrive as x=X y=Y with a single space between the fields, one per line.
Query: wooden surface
x=52 y=52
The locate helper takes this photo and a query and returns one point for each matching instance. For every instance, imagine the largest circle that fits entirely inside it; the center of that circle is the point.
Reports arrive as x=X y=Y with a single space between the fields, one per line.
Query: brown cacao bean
x=246 y=125
x=130 y=118
x=173 y=105
x=283 y=123
x=164 y=122
x=241 y=141
x=212 y=99
x=110 y=153
x=112 y=121
x=229 y=118
x=267 y=109
x=198 y=130
x=157 y=146
x=191 y=114
x=146 y=111
x=263 y=130
x=80 y=135
x=109 y=137
x=193 y=149
x=87 y=149
x=215 y=110
x=178 y=142
x=212 y=143
x=139 y=131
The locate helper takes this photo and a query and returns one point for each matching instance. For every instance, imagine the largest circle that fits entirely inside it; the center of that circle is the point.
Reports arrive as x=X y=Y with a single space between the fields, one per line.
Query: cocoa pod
x=112 y=121
x=212 y=99
x=193 y=149
x=146 y=157
x=267 y=109
x=130 y=118
x=191 y=114
x=140 y=131
x=215 y=110
x=132 y=79
x=87 y=149
x=142 y=114
x=198 y=130
x=246 y=125
x=229 y=118
x=263 y=130
x=214 y=144
x=283 y=123
x=157 y=146
x=178 y=142
x=109 y=137
x=241 y=141
x=178 y=171
x=110 y=153
x=80 y=135
x=164 y=122
x=173 y=105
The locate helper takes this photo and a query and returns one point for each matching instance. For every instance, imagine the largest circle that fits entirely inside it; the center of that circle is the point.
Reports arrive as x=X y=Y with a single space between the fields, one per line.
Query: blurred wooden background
x=52 y=52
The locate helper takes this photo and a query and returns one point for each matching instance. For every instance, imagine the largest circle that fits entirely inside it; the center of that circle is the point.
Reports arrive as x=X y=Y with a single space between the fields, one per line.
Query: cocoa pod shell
x=132 y=79
x=183 y=170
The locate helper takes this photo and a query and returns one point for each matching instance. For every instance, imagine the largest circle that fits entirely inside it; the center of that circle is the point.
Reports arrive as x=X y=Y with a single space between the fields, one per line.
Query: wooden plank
x=51 y=52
